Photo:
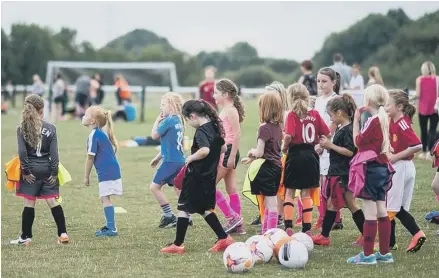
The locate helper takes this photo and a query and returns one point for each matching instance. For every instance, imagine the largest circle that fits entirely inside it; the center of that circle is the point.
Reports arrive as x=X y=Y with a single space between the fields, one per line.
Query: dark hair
x=345 y=103
x=59 y=76
x=203 y=109
x=227 y=86
x=400 y=97
x=355 y=65
x=337 y=57
x=307 y=64
x=334 y=76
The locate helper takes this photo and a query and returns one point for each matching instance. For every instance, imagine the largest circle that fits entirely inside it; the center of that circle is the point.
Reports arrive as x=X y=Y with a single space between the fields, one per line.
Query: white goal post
x=53 y=65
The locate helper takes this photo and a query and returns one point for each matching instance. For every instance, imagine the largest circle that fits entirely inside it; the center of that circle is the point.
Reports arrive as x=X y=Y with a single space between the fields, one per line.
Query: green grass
x=135 y=253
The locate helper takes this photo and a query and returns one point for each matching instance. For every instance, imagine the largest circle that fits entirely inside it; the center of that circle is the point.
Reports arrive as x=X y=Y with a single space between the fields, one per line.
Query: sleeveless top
x=428 y=95
x=229 y=136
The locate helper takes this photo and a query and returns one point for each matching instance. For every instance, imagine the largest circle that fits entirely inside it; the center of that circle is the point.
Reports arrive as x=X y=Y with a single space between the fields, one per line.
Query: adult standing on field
x=344 y=70
x=427 y=91
x=207 y=86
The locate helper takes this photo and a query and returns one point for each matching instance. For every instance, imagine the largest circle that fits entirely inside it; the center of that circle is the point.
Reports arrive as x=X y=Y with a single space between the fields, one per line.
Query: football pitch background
x=135 y=252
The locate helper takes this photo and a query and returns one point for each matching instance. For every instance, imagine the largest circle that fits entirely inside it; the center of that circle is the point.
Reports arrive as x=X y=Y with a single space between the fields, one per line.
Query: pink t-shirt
x=428 y=95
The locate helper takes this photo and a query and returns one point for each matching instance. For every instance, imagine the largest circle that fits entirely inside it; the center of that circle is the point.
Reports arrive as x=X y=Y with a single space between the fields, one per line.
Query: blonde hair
x=104 y=121
x=175 y=101
x=428 y=69
x=30 y=122
x=374 y=72
x=376 y=96
x=278 y=87
x=270 y=108
x=298 y=99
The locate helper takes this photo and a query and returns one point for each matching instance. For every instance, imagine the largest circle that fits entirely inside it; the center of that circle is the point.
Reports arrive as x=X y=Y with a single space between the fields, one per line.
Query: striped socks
x=167 y=211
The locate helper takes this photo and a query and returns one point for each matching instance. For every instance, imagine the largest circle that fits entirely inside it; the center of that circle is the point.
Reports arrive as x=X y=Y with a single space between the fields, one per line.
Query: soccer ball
x=306 y=240
x=293 y=254
x=238 y=258
x=279 y=244
x=260 y=248
x=275 y=234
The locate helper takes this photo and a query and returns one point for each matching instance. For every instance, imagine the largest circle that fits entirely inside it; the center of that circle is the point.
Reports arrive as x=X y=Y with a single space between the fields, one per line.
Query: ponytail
x=30 y=124
x=345 y=103
x=239 y=105
x=210 y=112
x=350 y=105
x=401 y=98
x=384 y=122
x=337 y=85
x=109 y=130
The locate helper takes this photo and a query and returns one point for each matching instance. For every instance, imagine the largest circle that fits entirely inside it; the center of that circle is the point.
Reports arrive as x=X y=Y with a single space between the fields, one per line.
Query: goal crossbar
x=51 y=65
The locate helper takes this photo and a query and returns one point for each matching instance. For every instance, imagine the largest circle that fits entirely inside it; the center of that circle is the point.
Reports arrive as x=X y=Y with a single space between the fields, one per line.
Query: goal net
x=142 y=78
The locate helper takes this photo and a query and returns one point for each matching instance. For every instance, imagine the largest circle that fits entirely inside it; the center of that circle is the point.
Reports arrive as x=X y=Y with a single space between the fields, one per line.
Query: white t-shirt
x=357 y=81
x=320 y=106
x=58 y=88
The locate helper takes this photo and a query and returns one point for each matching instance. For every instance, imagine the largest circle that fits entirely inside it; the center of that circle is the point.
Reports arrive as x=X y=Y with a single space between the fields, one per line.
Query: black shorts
x=40 y=189
x=378 y=180
x=227 y=155
x=302 y=167
x=81 y=99
x=59 y=99
x=267 y=180
x=198 y=193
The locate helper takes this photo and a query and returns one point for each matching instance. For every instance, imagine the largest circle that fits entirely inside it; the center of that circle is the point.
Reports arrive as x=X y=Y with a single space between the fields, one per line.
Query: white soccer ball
x=306 y=240
x=260 y=248
x=293 y=254
x=274 y=235
x=237 y=258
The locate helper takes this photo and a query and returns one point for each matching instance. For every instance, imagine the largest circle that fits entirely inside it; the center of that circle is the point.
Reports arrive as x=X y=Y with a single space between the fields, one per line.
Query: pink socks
x=235 y=203
x=224 y=206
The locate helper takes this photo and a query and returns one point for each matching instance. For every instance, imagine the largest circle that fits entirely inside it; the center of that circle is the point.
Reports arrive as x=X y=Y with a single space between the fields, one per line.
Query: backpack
x=310 y=82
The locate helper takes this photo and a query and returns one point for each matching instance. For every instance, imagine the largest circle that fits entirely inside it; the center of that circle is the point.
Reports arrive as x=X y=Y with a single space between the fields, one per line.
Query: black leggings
x=428 y=135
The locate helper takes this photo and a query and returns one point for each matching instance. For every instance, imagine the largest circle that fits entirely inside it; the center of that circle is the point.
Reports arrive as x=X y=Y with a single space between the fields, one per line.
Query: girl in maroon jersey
x=404 y=144
x=371 y=174
x=303 y=130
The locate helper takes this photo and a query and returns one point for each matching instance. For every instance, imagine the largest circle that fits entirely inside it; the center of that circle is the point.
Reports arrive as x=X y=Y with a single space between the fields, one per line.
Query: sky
x=292 y=30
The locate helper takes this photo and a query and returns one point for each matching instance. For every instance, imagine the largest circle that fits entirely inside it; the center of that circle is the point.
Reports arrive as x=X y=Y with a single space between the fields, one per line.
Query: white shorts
x=108 y=188
x=324 y=164
x=403 y=183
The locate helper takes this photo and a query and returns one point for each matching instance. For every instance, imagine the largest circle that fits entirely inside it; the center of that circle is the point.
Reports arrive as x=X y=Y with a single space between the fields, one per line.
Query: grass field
x=135 y=253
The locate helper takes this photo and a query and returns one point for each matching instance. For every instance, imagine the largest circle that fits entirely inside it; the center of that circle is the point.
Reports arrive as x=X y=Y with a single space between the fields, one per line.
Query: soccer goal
x=142 y=77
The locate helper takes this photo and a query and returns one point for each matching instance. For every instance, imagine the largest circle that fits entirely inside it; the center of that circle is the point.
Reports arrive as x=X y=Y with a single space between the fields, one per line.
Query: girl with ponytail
x=404 y=144
x=341 y=149
x=371 y=174
x=232 y=115
x=101 y=152
x=38 y=155
x=199 y=182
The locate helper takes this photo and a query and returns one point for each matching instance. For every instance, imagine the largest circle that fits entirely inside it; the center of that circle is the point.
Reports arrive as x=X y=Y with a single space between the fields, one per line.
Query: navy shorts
x=378 y=180
x=167 y=173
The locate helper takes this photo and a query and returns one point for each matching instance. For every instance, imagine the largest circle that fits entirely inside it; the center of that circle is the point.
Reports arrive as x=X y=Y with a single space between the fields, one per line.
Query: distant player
x=207 y=87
